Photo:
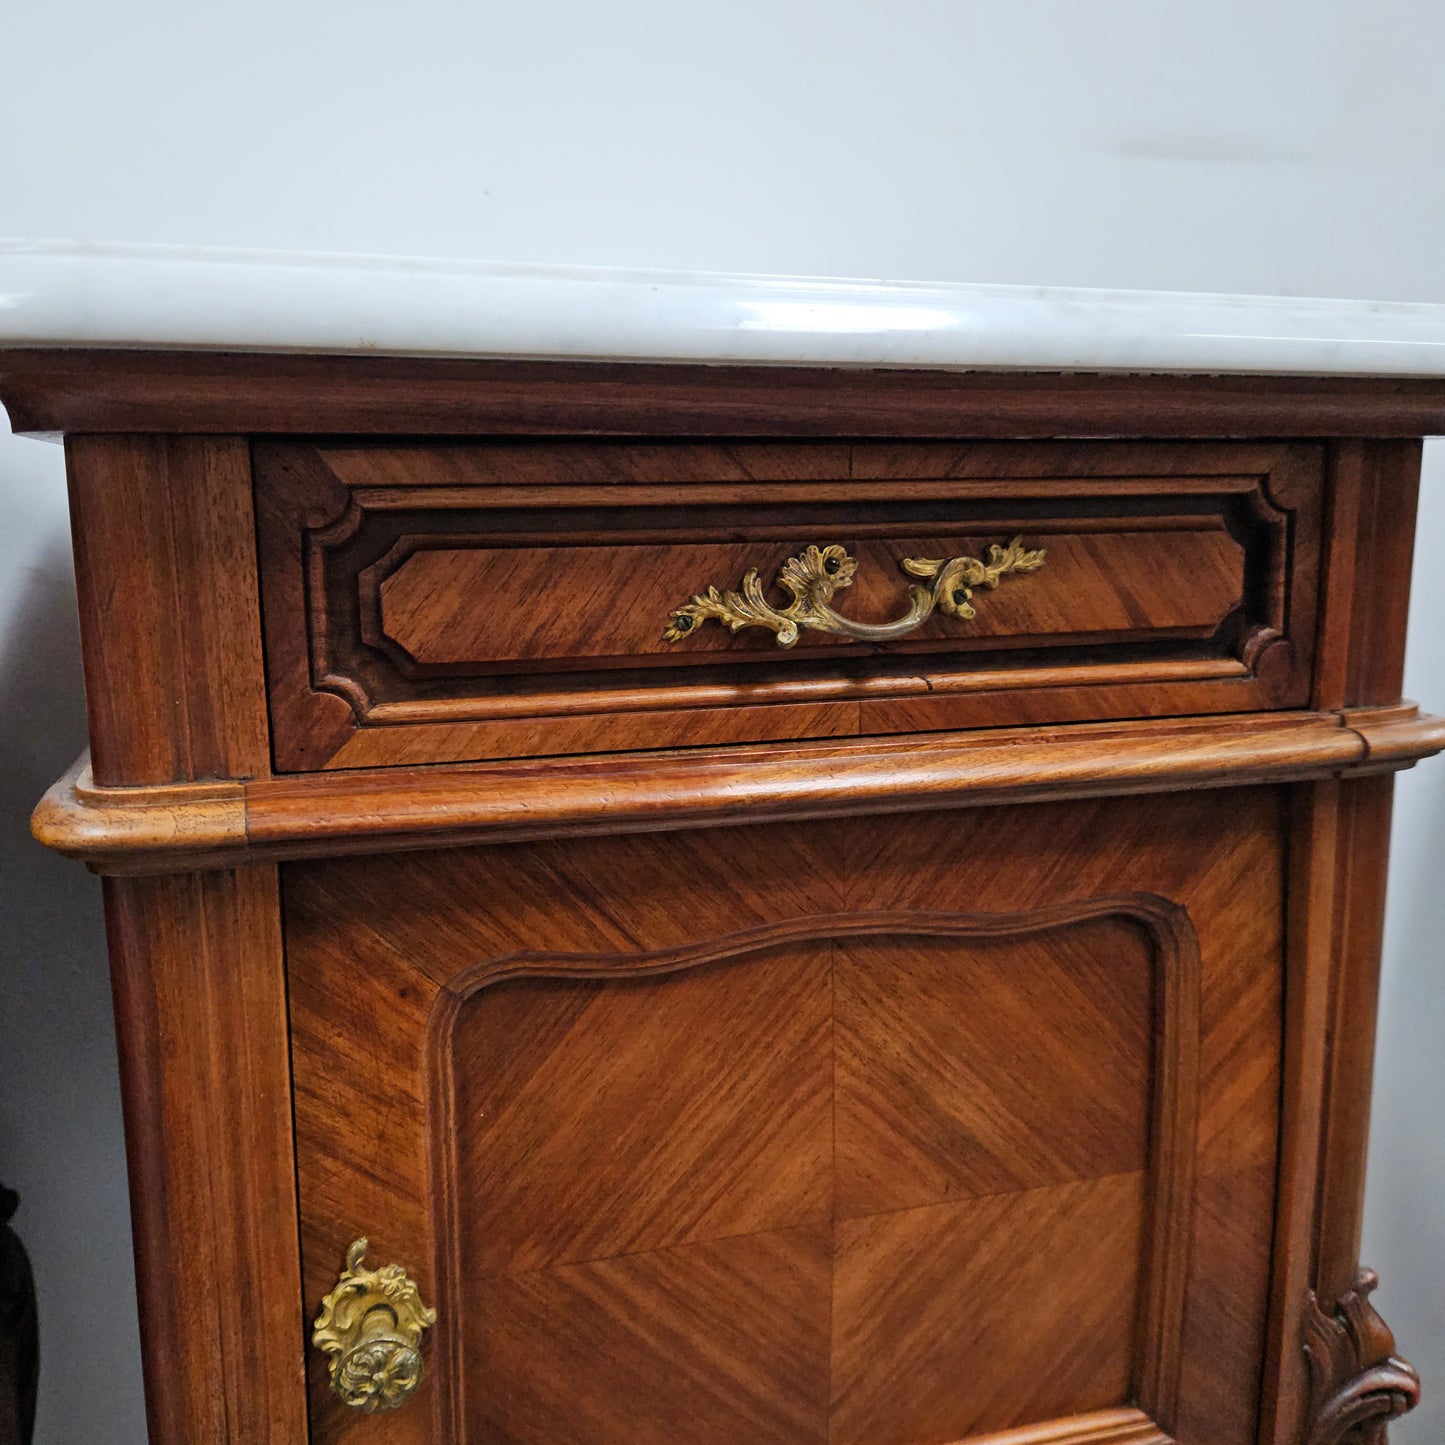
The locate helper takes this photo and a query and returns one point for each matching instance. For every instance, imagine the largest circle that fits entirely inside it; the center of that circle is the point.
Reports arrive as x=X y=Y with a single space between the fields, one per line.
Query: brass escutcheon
x=371 y=1325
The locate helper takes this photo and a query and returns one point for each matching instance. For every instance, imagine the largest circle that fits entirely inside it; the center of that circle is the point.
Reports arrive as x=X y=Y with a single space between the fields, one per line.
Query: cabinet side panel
x=165 y=553
x=200 y=1001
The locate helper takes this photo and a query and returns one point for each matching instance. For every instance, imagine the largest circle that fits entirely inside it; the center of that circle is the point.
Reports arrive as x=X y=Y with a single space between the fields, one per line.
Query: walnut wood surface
x=741 y=1125
x=200 y=994
x=1373 y=491
x=1357 y=1382
x=1104 y=1427
x=66 y=390
x=446 y=603
x=1003 y=1139
x=170 y=620
x=474 y=606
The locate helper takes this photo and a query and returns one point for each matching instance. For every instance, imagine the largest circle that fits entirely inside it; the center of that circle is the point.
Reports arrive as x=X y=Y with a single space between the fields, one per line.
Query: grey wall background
x=1293 y=148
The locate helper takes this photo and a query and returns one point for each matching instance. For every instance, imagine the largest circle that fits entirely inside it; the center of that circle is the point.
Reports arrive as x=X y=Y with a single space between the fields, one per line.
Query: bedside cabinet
x=725 y=905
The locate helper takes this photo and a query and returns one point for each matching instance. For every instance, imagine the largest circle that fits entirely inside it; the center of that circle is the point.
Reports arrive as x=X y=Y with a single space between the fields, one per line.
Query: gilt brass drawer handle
x=371 y=1325
x=819 y=572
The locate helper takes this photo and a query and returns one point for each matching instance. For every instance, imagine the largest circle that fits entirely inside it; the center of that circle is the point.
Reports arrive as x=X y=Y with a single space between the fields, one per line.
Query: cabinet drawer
x=448 y=603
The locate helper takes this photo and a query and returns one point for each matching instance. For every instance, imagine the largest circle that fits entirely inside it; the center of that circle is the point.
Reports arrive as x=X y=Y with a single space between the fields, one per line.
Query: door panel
x=799 y=1134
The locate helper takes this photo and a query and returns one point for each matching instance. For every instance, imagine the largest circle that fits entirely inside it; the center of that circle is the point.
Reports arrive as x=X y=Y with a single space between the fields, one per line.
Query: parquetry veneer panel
x=930 y=1048
x=719 y=1341
x=958 y=1319
x=734 y=1135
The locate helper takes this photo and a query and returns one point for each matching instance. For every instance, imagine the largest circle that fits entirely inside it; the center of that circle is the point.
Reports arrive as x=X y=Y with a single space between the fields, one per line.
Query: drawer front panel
x=839 y=1146
x=477 y=606
x=451 y=603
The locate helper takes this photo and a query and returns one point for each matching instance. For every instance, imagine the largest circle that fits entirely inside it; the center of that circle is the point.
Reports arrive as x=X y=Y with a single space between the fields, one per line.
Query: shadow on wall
x=60 y=1129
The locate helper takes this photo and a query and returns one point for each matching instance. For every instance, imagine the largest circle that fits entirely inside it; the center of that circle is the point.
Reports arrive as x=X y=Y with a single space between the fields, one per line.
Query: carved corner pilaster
x=1357 y=1384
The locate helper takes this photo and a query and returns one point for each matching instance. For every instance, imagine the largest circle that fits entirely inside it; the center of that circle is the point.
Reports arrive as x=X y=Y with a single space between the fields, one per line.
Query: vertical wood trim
x=1338 y=846
x=1364 y=845
x=1344 y=475
x=443 y=1214
x=1174 y=1125
x=170 y=616
x=1309 y=943
x=1382 y=583
x=200 y=998
x=1373 y=490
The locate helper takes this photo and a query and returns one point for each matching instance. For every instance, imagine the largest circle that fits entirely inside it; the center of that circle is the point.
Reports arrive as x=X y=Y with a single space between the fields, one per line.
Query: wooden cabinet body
x=959 y=1037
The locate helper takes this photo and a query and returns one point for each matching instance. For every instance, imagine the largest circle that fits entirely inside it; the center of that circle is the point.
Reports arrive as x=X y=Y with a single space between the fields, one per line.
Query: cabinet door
x=882 y=1131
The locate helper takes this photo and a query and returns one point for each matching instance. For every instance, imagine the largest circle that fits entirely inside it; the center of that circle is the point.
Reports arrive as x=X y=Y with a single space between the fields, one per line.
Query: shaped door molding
x=1173 y=1107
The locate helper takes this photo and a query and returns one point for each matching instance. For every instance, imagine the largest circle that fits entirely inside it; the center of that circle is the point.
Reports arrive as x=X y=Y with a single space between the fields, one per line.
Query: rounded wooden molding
x=49 y=390
x=185 y=826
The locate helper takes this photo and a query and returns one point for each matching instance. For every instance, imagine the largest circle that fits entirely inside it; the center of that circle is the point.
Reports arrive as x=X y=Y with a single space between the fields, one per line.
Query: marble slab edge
x=69 y=294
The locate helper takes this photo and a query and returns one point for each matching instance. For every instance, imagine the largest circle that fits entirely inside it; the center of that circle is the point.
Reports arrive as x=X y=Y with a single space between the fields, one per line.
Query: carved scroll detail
x=1357 y=1384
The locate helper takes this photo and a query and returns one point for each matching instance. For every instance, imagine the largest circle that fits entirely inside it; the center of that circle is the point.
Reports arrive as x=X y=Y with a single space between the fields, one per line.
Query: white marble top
x=72 y=294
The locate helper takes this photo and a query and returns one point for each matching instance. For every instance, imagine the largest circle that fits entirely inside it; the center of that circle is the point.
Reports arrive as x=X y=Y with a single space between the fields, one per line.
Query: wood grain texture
x=1102 y=1427
x=642 y=1036
x=717 y=1342
x=1338 y=856
x=1359 y=900
x=473 y=605
x=572 y=1091
x=58 y=390
x=136 y=830
x=200 y=995
x=1233 y=874
x=613 y=1044
x=928 y=1055
x=955 y=1319
x=169 y=613
x=1315 y=863
x=445 y=603
x=1373 y=492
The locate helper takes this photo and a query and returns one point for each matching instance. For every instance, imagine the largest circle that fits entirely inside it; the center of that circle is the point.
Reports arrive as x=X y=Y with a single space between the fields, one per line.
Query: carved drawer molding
x=432 y=604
